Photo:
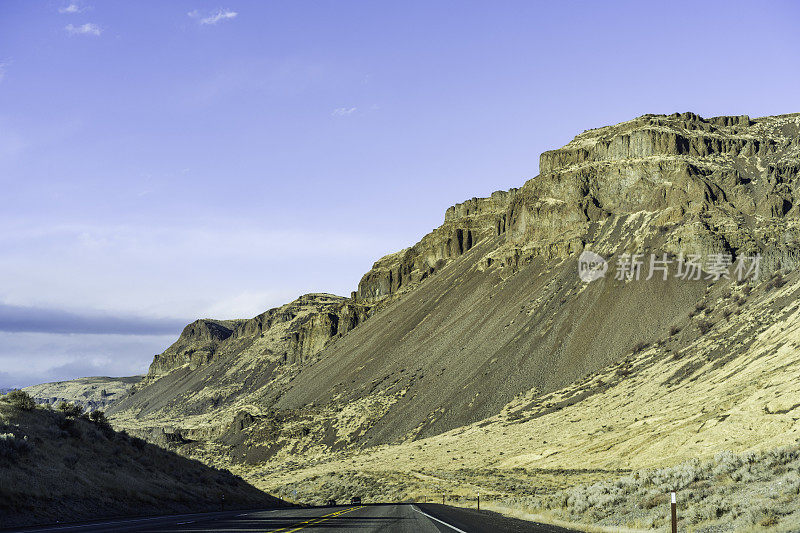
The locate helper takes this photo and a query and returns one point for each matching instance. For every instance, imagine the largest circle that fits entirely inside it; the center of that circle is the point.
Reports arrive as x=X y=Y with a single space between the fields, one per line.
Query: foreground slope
x=56 y=467
x=488 y=306
x=715 y=403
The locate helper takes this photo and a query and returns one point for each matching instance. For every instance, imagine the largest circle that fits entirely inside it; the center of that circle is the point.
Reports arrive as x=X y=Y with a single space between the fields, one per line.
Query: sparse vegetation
x=640 y=347
x=70 y=409
x=100 y=472
x=730 y=492
x=704 y=326
x=20 y=399
x=12 y=446
x=674 y=330
x=776 y=282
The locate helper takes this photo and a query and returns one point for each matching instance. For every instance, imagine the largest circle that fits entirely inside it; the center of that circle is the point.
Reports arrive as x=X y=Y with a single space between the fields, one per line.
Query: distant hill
x=478 y=360
x=91 y=393
x=58 y=467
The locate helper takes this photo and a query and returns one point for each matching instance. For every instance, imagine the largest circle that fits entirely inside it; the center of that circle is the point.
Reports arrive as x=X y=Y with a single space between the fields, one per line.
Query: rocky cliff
x=731 y=183
x=489 y=306
x=289 y=334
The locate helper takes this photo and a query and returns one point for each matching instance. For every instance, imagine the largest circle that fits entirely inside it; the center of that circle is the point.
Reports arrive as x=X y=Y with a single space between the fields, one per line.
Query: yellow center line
x=310 y=522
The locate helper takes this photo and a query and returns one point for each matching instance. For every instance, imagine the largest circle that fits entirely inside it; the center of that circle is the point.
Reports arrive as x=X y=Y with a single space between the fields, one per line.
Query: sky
x=166 y=161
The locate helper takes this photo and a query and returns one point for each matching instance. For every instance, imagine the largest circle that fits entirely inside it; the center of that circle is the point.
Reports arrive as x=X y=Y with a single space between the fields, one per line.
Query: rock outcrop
x=288 y=334
x=489 y=306
x=731 y=183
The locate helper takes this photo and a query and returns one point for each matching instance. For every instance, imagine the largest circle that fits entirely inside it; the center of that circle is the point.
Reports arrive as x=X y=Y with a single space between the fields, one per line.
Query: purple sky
x=162 y=161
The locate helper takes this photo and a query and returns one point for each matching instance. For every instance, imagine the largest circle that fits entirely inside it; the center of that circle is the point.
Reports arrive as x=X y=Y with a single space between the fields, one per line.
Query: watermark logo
x=591 y=266
x=692 y=267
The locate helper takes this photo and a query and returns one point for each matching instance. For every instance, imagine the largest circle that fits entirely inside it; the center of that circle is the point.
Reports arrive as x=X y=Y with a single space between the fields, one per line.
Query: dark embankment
x=60 y=465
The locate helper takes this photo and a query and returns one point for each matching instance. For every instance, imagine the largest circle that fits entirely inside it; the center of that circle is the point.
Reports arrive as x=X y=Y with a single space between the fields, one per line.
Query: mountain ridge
x=669 y=183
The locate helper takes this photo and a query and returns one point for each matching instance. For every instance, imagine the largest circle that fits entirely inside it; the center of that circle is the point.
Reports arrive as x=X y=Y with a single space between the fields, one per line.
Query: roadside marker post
x=442 y=498
x=674 y=506
x=479 y=501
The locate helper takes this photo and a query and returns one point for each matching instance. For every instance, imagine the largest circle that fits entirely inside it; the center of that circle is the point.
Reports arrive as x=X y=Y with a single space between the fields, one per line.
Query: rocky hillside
x=710 y=409
x=489 y=309
x=59 y=466
x=90 y=393
x=288 y=334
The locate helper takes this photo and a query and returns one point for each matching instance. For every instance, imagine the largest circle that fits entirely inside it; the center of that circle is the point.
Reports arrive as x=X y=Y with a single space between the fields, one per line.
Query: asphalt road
x=385 y=518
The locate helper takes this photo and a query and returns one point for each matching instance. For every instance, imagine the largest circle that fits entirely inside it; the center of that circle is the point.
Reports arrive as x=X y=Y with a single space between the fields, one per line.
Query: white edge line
x=115 y=522
x=96 y=524
x=454 y=528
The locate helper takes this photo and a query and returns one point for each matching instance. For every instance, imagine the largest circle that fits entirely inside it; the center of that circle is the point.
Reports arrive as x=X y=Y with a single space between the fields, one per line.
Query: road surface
x=384 y=518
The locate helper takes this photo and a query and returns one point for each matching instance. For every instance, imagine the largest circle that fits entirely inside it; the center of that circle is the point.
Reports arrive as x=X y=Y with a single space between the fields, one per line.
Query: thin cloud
x=70 y=9
x=343 y=111
x=214 y=18
x=3 y=68
x=84 y=29
x=30 y=358
x=15 y=318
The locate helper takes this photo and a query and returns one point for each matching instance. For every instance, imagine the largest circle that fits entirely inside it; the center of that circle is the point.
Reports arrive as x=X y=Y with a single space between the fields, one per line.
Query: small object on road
x=355 y=500
x=331 y=503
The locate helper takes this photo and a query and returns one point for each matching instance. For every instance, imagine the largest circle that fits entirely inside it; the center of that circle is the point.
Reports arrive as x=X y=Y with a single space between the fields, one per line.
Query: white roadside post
x=674 y=506
x=479 y=501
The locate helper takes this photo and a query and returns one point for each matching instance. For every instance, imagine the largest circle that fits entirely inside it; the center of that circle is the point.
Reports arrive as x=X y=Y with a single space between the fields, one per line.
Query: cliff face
x=731 y=183
x=489 y=306
x=288 y=334
x=465 y=224
x=721 y=185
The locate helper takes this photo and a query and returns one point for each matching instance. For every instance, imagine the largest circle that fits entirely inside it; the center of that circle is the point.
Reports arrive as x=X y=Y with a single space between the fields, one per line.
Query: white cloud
x=83 y=29
x=214 y=18
x=343 y=111
x=71 y=8
x=3 y=67
x=30 y=358
x=184 y=270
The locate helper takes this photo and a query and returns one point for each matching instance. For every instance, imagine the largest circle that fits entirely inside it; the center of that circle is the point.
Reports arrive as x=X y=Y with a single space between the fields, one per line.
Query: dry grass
x=730 y=492
x=71 y=467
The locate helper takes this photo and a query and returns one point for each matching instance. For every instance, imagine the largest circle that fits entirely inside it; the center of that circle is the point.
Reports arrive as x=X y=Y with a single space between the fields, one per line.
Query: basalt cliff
x=484 y=328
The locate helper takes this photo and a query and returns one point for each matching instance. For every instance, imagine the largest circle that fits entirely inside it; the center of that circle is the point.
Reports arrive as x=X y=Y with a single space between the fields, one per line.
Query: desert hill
x=60 y=465
x=489 y=305
x=478 y=360
x=91 y=393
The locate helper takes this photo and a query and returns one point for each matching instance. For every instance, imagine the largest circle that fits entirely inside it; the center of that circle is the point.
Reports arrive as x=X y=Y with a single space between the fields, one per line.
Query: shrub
x=674 y=330
x=769 y=520
x=70 y=409
x=654 y=500
x=20 y=399
x=11 y=446
x=640 y=346
x=98 y=417
x=776 y=282
x=704 y=326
